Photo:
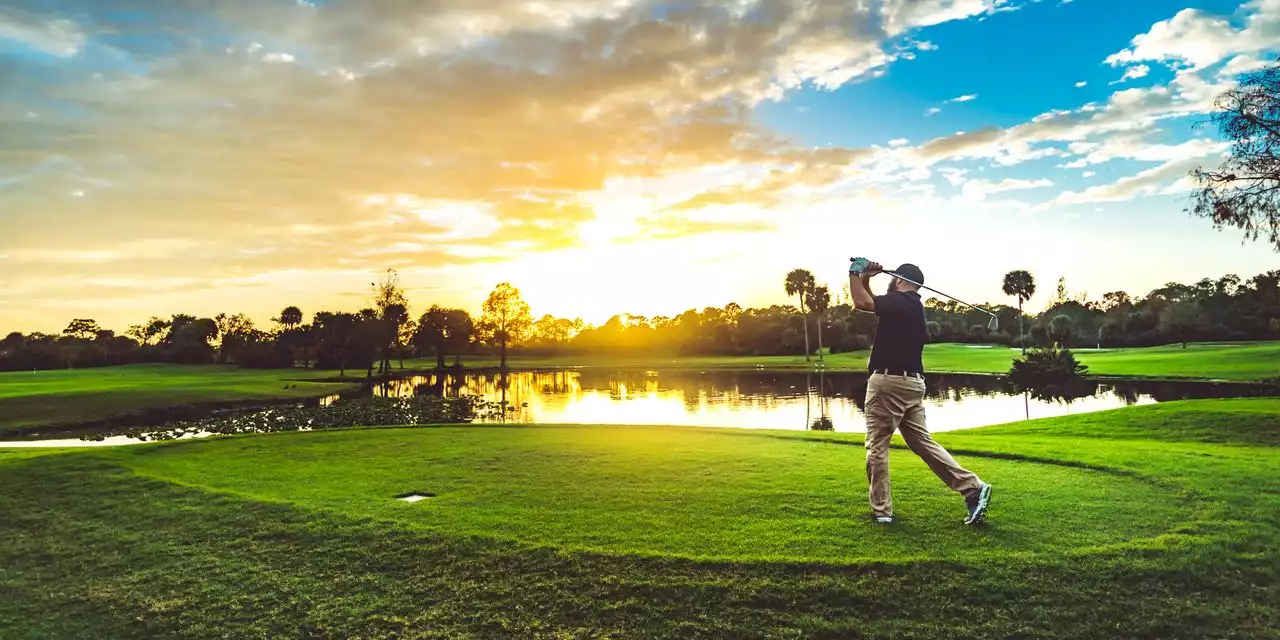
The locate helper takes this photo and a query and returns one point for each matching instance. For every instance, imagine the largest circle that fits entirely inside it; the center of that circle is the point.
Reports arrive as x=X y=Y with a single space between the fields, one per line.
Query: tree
x=459 y=329
x=800 y=283
x=1062 y=295
x=819 y=303
x=1182 y=320
x=188 y=339
x=1109 y=331
x=369 y=334
x=935 y=330
x=1115 y=300
x=82 y=328
x=290 y=317
x=1020 y=283
x=236 y=331
x=505 y=318
x=433 y=333
x=1061 y=329
x=14 y=340
x=1244 y=191
x=393 y=312
x=151 y=330
x=336 y=340
x=979 y=332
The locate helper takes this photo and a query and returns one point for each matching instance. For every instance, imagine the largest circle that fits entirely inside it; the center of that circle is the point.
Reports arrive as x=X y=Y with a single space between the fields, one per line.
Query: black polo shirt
x=900 y=334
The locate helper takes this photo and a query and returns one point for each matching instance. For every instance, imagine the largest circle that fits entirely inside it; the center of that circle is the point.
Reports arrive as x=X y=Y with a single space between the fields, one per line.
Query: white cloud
x=932 y=111
x=964 y=98
x=1191 y=37
x=1143 y=183
x=56 y=37
x=1088 y=174
x=1136 y=147
x=899 y=142
x=1242 y=64
x=1081 y=84
x=1128 y=111
x=1196 y=39
x=1133 y=73
x=900 y=15
x=278 y=57
x=953 y=175
x=977 y=190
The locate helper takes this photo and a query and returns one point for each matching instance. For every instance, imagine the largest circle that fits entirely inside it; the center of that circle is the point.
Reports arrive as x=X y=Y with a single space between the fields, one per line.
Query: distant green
x=76 y=395
x=1240 y=362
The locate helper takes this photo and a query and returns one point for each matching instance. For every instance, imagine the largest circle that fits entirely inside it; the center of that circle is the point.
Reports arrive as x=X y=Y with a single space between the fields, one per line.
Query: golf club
x=860 y=264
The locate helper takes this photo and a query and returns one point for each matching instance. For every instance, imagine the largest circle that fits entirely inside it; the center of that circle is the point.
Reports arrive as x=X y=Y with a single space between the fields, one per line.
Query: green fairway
x=1245 y=361
x=75 y=395
x=695 y=493
x=1135 y=523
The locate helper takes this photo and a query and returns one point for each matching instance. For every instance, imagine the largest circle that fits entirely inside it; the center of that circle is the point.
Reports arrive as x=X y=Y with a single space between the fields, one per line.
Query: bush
x=1051 y=374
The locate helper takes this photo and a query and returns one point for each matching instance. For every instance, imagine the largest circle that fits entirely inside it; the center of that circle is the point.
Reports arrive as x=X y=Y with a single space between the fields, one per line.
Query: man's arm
x=860 y=288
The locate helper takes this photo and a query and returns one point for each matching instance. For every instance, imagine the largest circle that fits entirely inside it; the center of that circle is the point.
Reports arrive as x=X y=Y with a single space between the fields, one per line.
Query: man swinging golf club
x=895 y=390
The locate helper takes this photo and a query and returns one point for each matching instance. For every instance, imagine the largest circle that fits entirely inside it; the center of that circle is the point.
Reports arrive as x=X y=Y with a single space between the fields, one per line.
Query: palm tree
x=1020 y=283
x=819 y=302
x=290 y=317
x=800 y=283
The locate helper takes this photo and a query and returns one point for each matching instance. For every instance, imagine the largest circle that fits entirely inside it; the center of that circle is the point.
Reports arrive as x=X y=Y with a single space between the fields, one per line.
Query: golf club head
x=994 y=325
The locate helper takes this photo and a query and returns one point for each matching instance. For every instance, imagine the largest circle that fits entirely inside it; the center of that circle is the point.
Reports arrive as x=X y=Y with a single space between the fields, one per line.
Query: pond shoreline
x=158 y=417
x=401 y=374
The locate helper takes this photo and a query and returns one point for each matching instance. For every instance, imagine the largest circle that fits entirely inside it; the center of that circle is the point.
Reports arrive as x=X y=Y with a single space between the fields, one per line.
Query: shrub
x=1051 y=374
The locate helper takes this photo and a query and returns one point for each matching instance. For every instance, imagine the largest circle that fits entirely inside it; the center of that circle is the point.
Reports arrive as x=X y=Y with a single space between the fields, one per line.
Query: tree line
x=380 y=336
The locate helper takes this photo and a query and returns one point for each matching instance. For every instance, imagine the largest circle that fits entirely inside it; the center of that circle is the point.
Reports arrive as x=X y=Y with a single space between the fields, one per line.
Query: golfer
x=895 y=392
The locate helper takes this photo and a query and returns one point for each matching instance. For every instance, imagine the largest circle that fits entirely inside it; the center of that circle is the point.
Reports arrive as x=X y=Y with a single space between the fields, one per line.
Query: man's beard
x=889 y=288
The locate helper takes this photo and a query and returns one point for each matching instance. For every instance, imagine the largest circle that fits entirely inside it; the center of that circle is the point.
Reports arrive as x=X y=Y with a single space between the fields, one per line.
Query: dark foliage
x=1051 y=373
x=1244 y=192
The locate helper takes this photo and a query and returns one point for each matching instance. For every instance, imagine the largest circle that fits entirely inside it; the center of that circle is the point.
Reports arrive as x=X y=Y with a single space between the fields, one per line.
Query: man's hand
x=858 y=286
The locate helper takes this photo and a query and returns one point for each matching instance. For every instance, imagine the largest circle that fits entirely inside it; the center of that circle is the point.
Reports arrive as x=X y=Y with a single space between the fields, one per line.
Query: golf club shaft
x=940 y=293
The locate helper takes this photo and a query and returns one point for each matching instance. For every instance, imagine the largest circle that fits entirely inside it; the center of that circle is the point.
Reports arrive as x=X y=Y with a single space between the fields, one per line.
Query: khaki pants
x=895 y=402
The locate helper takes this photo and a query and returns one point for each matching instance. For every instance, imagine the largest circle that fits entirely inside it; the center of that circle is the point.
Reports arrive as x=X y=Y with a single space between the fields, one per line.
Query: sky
x=603 y=156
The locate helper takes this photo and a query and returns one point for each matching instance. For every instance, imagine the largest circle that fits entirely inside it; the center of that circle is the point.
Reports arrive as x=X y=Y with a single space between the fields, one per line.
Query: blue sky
x=199 y=156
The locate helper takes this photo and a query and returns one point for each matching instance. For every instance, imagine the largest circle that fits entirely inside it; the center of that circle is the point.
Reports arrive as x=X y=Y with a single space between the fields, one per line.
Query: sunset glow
x=604 y=156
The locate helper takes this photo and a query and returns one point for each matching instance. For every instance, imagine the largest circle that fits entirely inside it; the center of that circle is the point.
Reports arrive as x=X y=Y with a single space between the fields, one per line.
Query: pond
x=830 y=401
x=774 y=400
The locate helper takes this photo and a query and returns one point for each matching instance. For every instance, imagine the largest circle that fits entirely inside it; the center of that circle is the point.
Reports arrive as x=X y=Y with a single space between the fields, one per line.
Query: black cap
x=911 y=272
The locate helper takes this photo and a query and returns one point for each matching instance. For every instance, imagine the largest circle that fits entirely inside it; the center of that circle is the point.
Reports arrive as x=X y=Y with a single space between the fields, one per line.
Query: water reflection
x=819 y=401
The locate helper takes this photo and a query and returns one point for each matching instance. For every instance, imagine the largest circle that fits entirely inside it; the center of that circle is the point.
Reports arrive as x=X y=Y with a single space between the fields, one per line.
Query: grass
x=695 y=493
x=29 y=399
x=1119 y=524
x=1240 y=362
